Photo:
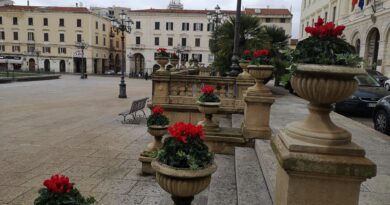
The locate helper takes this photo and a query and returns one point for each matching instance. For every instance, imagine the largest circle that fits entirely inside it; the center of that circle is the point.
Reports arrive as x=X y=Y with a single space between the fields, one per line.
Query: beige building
x=176 y=27
x=368 y=29
x=44 y=38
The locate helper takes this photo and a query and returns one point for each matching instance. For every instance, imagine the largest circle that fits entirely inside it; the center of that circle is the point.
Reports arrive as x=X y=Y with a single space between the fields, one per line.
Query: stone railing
x=177 y=94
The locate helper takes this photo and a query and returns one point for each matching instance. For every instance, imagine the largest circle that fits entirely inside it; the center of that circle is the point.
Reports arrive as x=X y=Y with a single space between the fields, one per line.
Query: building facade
x=44 y=38
x=176 y=28
x=367 y=29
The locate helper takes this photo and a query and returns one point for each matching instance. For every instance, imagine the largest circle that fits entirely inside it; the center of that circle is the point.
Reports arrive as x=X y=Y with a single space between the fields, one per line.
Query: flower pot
x=157 y=132
x=208 y=109
x=162 y=61
x=183 y=184
x=322 y=86
x=244 y=65
x=260 y=73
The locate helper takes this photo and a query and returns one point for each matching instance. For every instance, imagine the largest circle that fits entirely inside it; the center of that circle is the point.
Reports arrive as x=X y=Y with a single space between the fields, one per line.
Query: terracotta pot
x=162 y=61
x=244 y=65
x=183 y=184
x=321 y=86
x=157 y=132
x=260 y=73
x=208 y=109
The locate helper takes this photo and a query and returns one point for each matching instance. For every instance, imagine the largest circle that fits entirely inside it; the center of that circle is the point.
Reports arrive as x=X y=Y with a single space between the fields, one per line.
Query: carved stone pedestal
x=146 y=164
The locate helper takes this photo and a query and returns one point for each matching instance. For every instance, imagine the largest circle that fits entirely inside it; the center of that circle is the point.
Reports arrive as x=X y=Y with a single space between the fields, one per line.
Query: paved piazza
x=71 y=126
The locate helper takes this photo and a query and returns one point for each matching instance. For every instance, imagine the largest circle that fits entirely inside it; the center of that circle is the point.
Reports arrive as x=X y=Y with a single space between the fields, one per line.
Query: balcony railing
x=137 y=46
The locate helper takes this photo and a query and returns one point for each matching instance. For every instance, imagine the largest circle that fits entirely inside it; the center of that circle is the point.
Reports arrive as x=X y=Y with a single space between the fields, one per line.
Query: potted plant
x=246 y=58
x=184 y=165
x=325 y=73
x=162 y=57
x=174 y=58
x=60 y=191
x=208 y=103
x=157 y=124
x=261 y=69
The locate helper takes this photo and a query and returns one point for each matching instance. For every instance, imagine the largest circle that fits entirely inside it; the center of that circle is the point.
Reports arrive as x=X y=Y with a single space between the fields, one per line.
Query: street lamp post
x=123 y=24
x=216 y=17
x=82 y=45
x=235 y=67
x=179 y=50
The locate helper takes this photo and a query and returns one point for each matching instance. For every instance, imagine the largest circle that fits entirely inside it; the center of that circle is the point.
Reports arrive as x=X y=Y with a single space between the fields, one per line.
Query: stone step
x=222 y=189
x=251 y=185
x=268 y=163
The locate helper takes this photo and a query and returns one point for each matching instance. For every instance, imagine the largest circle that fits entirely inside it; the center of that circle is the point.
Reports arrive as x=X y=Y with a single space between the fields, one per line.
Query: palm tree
x=252 y=36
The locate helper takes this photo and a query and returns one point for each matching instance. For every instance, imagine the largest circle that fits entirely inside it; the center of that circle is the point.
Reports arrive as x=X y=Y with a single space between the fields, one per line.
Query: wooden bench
x=136 y=106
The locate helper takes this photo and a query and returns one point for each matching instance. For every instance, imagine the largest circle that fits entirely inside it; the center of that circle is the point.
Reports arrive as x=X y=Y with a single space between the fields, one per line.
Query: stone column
x=257 y=113
x=160 y=92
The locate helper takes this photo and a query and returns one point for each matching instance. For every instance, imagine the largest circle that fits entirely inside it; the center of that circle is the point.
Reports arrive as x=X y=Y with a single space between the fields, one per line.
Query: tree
x=252 y=36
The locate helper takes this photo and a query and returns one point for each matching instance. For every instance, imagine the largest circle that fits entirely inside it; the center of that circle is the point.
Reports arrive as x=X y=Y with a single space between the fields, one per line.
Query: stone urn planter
x=157 y=132
x=322 y=86
x=208 y=109
x=174 y=63
x=183 y=184
x=244 y=65
x=162 y=61
x=260 y=73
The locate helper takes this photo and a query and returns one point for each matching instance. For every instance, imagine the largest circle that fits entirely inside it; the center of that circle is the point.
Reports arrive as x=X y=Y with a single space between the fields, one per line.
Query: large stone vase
x=322 y=86
x=183 y=184
x=244 y=65
x=208 y=109
x=174 y=63
x=157 y=132
x=162 y=61
x=260 y=73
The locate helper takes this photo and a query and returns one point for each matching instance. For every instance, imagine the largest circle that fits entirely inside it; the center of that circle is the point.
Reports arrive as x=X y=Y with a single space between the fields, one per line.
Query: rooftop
x=252 y=11
x=44 y=9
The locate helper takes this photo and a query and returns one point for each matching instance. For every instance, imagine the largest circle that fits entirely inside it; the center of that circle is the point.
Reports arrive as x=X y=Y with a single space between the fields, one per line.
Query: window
x=97 y=25
x=2 y=35
x=156 y=25
x=211 y=58
x=30 y=21
x=334 y=14
x=197 y=42
x=198 y=27
x=1 y=20
x=79 y=38
x=326 y=17
x=104 y=41
x=184 y=42
x=15 y=48
x=46 y=50
x=184 y=57
x=268 y=20
x=137 y=40
x=62 y=23
x=30 y=48
x=156 y=41
x=197 y=57
x=16 y=36
x=185 y=26
x=170 y=41
x=2 y=48
x=30 y=36
x=15 y=20
x=104 y=27
x=79 y=23
x=282 y=20
x=62 y=37
x=45 y=22
x=46 y=37
x=169 y=26
x=97 y=40
x=61 y=50
x=138 y=25
x=210 y=27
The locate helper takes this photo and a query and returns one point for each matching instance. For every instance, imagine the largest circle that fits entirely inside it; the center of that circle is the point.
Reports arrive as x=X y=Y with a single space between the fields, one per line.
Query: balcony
x=137 y=46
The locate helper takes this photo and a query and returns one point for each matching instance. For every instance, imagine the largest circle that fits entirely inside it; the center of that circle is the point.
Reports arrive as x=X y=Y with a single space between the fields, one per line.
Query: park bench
x=136 y=106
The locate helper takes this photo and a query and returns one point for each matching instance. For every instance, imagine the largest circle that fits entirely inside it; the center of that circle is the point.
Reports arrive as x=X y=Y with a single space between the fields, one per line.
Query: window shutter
x=182 y=26
x=194 y=26
x=201 y=27
x=167 y=26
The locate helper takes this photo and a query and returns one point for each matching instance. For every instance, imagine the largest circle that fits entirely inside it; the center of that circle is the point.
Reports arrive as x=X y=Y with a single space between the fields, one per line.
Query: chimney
x=77 y=4
x=28 y=2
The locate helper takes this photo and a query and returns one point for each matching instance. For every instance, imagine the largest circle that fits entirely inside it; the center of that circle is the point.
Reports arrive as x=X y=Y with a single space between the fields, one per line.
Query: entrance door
x=31 y=65
x=47 y=65
x=139 y=62
x=373 y=47
x=62 y=66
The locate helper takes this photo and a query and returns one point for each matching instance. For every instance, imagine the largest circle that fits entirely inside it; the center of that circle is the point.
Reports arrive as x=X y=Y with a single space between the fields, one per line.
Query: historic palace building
x=179 y=29
x=44 y=38
x=367 y=22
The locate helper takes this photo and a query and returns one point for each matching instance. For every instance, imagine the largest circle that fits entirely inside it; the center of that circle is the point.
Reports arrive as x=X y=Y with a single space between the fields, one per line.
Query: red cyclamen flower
x=181 y=131
x=58 y=184
x=261 y=53
x=247 y=52
x=207 y=90
x=322 y=30
x=158 y=110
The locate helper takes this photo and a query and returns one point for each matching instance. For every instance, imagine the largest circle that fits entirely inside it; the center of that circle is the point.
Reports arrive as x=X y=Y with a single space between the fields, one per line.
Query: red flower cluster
x=158 y=110
x=181 y=131
x=174 y=55
x=58 y=184
x=322 y=29
x=261 y=53
x=247 y=52
x=207 y=90
x=162 y=50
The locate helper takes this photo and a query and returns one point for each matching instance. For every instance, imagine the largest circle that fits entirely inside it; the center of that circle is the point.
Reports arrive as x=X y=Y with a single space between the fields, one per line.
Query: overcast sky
x=188 y=4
